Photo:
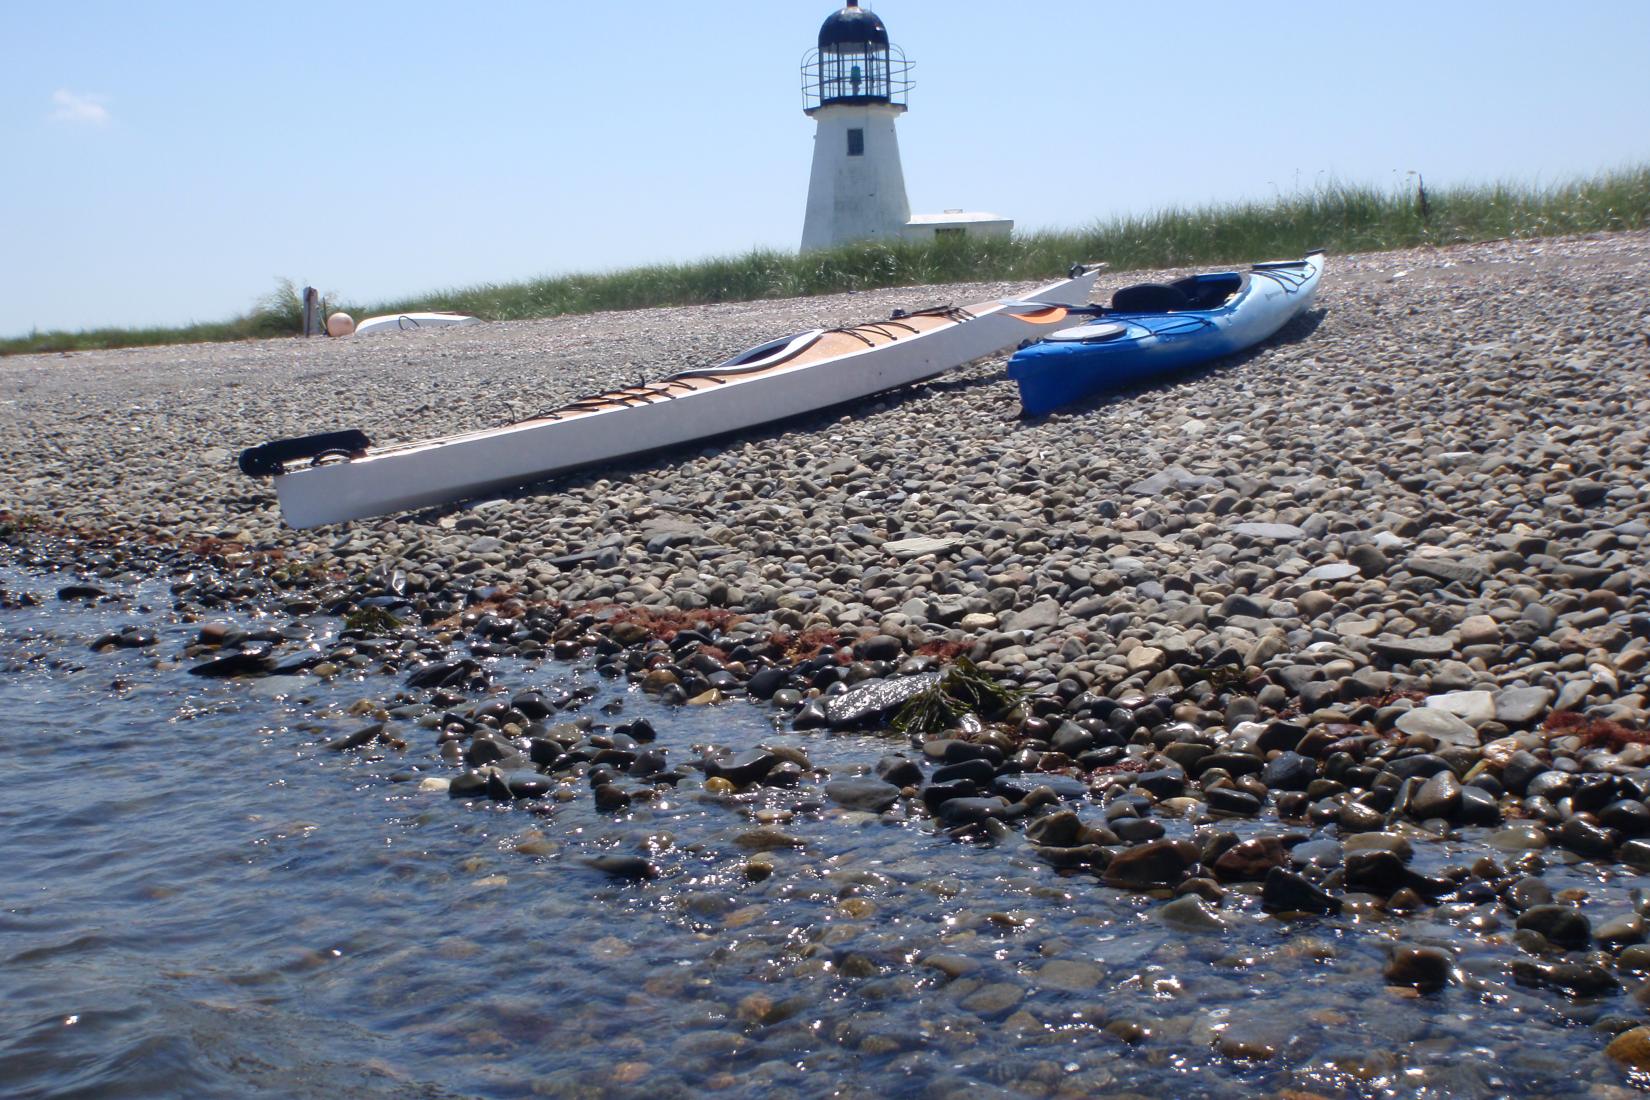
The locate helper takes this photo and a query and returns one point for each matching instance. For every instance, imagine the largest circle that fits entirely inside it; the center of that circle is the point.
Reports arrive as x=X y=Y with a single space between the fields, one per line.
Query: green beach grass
x=1341 y=218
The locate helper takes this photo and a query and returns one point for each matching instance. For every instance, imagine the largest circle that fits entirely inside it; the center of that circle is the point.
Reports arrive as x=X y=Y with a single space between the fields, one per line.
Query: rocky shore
x=1270 y=628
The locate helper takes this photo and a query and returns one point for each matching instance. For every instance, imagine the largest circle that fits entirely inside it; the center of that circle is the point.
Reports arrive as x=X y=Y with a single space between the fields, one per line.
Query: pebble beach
x=1337 y=655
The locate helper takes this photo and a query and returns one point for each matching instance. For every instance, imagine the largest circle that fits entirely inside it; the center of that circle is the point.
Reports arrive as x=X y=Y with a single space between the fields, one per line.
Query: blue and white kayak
x=1154 y=329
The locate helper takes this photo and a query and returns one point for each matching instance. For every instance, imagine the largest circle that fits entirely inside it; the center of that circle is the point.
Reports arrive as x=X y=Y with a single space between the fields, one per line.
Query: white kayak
x=400 y=322
x=339 y=476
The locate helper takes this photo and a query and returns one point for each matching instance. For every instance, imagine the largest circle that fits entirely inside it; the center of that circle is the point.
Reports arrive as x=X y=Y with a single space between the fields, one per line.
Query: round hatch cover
x=1099 y=330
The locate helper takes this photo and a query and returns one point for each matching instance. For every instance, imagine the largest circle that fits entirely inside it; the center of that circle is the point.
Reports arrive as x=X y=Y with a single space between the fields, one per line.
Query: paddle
x=1030 y=309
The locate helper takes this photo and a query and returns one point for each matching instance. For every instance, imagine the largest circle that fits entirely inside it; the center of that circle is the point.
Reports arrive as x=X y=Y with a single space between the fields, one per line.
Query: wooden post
x=312 y=311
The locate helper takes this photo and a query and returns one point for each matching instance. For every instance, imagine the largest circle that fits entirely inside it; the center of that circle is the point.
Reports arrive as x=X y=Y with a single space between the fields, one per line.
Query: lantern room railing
x=876 y=74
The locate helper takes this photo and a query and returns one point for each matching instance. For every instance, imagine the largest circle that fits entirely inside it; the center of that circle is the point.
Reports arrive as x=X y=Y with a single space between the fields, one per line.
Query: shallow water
x=198 y=898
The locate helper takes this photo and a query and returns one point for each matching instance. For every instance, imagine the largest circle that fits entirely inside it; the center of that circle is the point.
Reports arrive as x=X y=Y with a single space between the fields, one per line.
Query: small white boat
x=400 y=322
x=339 y=476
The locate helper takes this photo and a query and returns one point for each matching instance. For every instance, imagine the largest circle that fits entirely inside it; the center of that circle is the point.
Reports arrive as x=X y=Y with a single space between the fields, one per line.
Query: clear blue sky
x=167 y=162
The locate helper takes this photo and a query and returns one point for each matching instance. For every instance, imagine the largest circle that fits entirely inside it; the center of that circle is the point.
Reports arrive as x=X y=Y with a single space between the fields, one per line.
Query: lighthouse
x=854 y=85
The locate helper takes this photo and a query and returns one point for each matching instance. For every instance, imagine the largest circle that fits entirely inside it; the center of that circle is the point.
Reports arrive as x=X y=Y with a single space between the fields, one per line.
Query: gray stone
x=1466 y=572
x=1441 y=725
x=1277 y=532
x=1416 y=647
x=1041 y=615
x=867 y=794
x=1521 y=706
x=1475 y=707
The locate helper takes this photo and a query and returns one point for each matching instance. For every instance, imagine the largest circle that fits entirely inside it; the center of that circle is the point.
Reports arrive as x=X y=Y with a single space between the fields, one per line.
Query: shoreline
x=1378 y=583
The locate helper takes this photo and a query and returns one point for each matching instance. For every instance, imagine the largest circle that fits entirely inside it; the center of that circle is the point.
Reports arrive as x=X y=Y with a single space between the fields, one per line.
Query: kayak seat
x=1209 y=291
x=1150 y=298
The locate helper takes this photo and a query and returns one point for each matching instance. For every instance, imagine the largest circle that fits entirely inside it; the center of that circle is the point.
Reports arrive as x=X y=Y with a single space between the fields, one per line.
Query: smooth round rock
x=1423 y=968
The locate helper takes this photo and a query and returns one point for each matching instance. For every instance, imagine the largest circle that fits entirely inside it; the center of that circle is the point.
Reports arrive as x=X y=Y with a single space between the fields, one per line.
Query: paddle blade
x=1036 y=313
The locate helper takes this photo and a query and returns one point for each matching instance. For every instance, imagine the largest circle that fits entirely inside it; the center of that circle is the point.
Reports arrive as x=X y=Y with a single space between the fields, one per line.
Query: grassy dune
x=1339 y=217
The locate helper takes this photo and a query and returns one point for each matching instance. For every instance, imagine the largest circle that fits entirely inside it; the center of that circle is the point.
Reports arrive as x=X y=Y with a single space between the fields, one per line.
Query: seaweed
x=1595 y=732
x=962 y=690
x=371 y=620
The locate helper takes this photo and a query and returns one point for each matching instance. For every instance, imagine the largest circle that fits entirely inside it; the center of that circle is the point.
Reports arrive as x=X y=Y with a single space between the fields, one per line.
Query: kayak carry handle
x=270 y=459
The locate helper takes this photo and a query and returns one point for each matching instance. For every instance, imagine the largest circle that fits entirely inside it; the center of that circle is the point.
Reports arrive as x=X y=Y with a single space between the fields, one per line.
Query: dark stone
x=1551 y=785
x=1478 y=807
x=611 y=799
x=1155 y=863
x=1064 y=829
x=1316 y=853
x=1292 y=804
x=1586 y=839
x=649 y=762
x=1162 y=783
x=1287 y=892
x=951 y=750
x=442 y=674
x=1581 y=979
x=628 y=867
x=531 y=704
x=1375 y=872
x=1251 y=860
x=1071 y=739
x=972 y=811
x=1438 y=797
x=811 y=715
x=248 y=662
x=975 y=771
x=1230 y=800
x=742 y=769
x=862 y=793
x=1564 y=925
x=1527 y=893
x=621 y=759
x=936 y=794
x=1280 y=735
x=900 y=771
x=1587 y=492
x=81 y=592
x=1593 y=792
x=1289 y=771
x=1355 y=817
x=488 y=749
x=1421 y=766
x=1424 y=968
x=769 y=680
x=1621 y=931
x=787 y=773
x=1234 y=764
x=882 y=647
x=364 y=736
x=1369 y=559
x=469 y=784
x=1635 y=853
x=641 y=731
x=1136 y=830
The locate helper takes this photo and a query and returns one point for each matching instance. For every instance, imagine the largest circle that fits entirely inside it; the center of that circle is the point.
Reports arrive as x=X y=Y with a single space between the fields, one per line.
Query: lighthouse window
x=856 y=143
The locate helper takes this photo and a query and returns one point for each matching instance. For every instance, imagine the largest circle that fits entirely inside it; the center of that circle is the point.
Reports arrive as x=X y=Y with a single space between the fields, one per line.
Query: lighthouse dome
x=851 y=27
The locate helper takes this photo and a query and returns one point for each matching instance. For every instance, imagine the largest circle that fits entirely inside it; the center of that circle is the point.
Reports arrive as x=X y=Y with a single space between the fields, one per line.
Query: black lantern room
x=854 y=64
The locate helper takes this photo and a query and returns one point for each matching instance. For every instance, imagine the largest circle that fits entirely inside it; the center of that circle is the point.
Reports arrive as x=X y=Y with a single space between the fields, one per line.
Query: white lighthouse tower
x=854 y=85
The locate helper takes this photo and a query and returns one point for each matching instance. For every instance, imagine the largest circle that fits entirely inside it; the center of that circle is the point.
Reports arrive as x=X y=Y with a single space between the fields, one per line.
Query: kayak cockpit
x=1210 y=291
x=1198 y=292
